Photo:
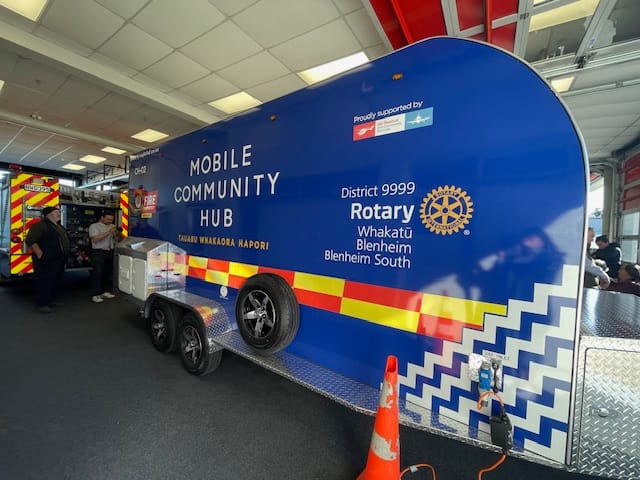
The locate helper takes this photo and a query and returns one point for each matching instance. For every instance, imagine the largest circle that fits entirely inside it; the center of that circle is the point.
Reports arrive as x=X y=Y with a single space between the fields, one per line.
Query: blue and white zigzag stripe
x=537 y=339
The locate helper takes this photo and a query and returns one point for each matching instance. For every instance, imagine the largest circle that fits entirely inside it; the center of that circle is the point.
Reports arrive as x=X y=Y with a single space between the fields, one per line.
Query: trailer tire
x=163 y=323
x=267 y=313
x=194 y=347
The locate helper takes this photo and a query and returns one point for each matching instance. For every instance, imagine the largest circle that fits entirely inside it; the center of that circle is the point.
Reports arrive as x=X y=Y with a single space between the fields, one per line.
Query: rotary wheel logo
x=446 y=210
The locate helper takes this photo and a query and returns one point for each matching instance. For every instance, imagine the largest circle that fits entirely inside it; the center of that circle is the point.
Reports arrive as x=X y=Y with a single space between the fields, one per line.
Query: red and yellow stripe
x=124 y=209
x=21 y=199
x=439 y=316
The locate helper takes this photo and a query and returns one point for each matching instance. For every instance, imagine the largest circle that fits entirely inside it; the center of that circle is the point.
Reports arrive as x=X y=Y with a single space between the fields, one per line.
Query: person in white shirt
x=593 y=269
x=103 y=234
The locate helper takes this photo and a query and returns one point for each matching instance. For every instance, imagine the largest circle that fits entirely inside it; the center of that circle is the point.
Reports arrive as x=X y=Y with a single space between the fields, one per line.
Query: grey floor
x=83 y=395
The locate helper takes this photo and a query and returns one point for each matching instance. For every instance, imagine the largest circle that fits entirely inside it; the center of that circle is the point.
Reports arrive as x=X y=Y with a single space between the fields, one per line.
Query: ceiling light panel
x=73 y=166
x=235 y=103
x=322 y=72
x=562 y=84
x=27 y=8
x=149 y=135
x=114 y=150
x=92 y=159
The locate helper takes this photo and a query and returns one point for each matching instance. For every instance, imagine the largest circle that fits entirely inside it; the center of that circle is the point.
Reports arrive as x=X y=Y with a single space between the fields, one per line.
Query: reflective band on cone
x=383 y=462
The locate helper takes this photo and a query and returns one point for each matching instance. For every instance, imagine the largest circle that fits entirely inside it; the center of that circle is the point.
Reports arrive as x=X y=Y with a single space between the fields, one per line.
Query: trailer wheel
x=267 y=313
x=163 y=321
x=194 y=348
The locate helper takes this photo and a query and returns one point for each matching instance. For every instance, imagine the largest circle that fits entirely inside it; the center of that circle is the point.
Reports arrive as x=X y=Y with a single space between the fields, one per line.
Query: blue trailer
x=428 y=205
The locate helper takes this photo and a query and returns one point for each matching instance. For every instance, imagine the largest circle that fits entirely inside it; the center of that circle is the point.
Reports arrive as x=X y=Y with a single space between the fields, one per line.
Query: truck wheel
x=267 y=313
x=194 y=348
x=163 y=320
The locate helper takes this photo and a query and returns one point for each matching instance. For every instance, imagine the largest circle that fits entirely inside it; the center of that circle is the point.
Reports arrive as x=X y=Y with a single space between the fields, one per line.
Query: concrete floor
x=83 y=395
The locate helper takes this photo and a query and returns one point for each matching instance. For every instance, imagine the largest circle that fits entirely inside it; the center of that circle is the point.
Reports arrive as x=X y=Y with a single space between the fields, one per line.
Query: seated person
x=628 y=280
x=610 y=252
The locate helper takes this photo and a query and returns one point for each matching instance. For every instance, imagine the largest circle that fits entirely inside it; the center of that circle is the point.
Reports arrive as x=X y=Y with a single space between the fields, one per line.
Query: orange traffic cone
x=383 y=462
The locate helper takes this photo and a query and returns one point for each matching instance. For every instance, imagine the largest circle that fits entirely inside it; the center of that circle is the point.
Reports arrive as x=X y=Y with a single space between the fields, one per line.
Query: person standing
x=49 y=244
x=102 y=233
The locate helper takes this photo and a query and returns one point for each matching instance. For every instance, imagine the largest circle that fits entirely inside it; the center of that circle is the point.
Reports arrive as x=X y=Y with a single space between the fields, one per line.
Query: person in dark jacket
x=610 y=252
x=628 y=280
x=49 y=245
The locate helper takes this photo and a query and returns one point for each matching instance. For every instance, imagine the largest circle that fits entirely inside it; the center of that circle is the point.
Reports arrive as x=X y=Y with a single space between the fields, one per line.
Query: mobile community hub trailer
x=429 y=205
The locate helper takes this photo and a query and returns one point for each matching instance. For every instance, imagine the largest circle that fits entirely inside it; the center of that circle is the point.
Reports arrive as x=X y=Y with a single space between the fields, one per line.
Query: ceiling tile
x=53 y=157
x=24 y=142
x=377 y=51
x=176 y=126
x=617 y=121
x=7 y=61
x=177 y=23
x=135 y=48
x=362 y=27
x=93 y=120
x=176 y=70
x=126 y=127
x=231 y=7
x=58 y=112
x=73 y=17
x=587 y=78
x=80 y=92
x=148 y=116
x=222 y=46
x=209 y=88
x=255 y=70
x=329 y=42
x=152 y=83
x=603 y=132
x=347 y=6
x=116 y=105
x=292 y=18
x=63 y=41
x=277 y=88
x=188 y=99
x=21 y=100
x=607 y=97
x=594 y=111
x=33 y=76
x=124 y=8
x=8 y=132
x=109 y=62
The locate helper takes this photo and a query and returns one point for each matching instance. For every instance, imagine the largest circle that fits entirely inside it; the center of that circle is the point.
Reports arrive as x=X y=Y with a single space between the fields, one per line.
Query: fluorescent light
x=319 y=73
x=562 y=84
x=235 y=103
x=114 y=150
x=73 y=166
x=27 y=8
x=149 y=135
x=564 y=14
x=92 y=159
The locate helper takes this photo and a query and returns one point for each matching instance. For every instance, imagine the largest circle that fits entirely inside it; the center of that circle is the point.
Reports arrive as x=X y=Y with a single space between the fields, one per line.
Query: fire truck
x=428 y=205
x=23 y=196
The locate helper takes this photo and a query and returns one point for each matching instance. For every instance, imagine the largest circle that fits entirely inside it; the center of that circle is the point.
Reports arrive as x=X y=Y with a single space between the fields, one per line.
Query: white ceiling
x=94 y=72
